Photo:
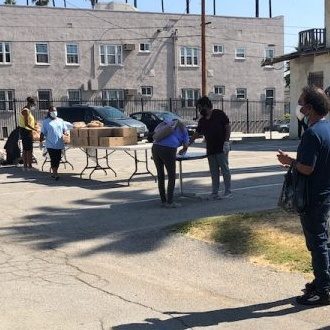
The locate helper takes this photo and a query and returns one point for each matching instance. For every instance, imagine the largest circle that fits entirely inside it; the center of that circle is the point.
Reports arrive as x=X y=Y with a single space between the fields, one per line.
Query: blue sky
x=298 y=14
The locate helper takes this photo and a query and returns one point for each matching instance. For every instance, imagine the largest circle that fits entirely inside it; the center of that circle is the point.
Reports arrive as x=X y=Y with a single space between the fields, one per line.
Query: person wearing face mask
x=214 y=126
x=313 y=161
x=26 y=123
x=52 y=131
x=302 y=124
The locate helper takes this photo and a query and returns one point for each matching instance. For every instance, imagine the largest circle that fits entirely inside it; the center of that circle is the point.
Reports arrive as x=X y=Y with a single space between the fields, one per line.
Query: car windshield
x=110 y=113
x=168 y=116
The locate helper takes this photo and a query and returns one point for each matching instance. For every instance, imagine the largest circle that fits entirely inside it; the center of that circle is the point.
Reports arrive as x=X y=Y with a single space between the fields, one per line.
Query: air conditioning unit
x=128 y=47
x=130 y=92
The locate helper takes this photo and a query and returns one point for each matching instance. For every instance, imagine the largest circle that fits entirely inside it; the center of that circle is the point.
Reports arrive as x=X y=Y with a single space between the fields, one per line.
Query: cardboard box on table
x=114 y=141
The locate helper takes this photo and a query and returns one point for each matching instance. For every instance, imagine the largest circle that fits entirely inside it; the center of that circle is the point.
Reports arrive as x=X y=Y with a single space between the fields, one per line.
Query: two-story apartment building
x=81 y=54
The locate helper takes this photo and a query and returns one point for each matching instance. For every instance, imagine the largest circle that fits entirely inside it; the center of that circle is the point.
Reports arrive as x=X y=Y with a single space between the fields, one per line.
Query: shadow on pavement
x=190 y=320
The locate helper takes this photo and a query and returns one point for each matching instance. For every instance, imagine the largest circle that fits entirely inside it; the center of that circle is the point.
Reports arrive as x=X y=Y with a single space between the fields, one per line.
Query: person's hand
x=183 y=151
x=284 y=158
x=226 y=147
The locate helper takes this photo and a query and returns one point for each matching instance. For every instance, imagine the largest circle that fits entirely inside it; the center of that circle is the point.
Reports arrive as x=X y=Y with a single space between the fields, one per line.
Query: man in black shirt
x=214 y=125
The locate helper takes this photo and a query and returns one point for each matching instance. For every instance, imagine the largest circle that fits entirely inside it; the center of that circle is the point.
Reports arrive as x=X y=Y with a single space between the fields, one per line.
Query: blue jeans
x=217 y=162
x=315 y=222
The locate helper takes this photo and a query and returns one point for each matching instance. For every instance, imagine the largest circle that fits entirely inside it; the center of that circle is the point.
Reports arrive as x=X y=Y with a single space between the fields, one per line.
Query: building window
x=146 y=91
x=111 y=54
x=270 y=96
x=72 y=57
x=217 y=49
x=241 y=93
x=145 y=48
x=219 y=90
x=240 y=54
x=189 y=56
x=4 y=53
x=42 y=55
x=316 y=79
x=74 y=96
x=189 y=97
x=269 y=53
x=6 y=100
x=113 y=98
x=44 y=98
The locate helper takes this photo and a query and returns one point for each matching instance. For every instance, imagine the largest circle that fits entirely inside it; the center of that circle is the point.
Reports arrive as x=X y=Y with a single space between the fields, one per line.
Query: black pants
x=26 y=137
x=165 y=157
x=55 y=156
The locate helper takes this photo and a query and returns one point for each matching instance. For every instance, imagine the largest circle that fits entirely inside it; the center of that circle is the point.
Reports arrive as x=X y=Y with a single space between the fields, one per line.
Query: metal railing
x=312 y=39
x=245 y=116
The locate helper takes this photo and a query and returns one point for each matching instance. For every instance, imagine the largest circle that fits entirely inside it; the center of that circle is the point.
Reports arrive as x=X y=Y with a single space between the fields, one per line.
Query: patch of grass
x=274 y=238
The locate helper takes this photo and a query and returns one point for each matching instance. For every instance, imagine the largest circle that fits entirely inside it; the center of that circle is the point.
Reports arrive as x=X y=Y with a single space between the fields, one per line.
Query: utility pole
x=257 y=8
x=203 y=49
x=187 y=6
x=270 y=8
x=214 y=11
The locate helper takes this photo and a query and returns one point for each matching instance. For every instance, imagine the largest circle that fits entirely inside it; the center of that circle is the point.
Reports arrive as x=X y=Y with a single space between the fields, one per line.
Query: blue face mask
x=53 y=114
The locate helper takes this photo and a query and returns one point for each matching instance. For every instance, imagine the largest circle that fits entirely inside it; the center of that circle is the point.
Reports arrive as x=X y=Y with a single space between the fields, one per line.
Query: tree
x=10 y=2
x=41 y=2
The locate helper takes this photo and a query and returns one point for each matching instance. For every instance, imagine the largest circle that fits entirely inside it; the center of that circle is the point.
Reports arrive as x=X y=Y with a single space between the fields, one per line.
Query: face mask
x=53 y=114
x=32 y=108
x=203 y=112
x=299 y=114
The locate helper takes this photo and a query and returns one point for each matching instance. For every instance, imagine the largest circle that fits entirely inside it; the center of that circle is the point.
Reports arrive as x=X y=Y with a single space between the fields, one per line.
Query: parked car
x=109 y=116
x=152 y=118
x=282 y=127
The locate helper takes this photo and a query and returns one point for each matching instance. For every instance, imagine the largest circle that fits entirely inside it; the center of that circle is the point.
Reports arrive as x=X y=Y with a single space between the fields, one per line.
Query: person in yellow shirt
x=26 y=123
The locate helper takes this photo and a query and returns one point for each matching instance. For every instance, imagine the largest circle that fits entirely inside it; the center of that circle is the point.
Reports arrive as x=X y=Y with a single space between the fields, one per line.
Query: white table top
x=191 y=155
x=133 y=147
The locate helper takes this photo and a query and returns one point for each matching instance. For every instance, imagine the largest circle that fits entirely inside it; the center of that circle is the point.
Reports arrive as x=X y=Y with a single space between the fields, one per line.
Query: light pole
x=203 y=49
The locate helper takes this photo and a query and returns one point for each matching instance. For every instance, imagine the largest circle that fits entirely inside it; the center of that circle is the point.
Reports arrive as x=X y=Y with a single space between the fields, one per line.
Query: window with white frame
x=240 y=53
x=217 y=49
x=113 y=98
x=269 y=53
x=74 y=96
x=189 y=56
x=44 y=98
x=6 y=100
x=219 y=90
x=144 y=48
x=42 y=53
x=146 y=91
x=111 y=54
x=5 y=53
x=241 y=93
x=189 y=97
x=270 y=96
x=72 y=55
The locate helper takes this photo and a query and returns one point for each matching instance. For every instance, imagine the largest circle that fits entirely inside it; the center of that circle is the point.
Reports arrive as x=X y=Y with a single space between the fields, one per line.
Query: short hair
x=317 y=98
x=30 y=99
x=204 y=101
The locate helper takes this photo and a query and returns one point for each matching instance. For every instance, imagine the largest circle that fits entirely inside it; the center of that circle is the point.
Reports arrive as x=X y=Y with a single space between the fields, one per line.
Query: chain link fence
x=245 y=116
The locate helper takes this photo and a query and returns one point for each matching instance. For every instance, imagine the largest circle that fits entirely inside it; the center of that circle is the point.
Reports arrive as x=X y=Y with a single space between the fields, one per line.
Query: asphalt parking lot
x=97 y=254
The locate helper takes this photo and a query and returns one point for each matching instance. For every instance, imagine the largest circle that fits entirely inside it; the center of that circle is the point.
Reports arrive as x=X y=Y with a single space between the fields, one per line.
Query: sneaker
x=309 y=287
x=173 y=205
x=314 y=298
x=227 y=195
x=213 y=197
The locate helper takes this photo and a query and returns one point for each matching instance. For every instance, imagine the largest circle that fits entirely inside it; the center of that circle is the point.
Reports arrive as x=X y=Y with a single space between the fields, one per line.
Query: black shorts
x=26 y=137
x=55 y=156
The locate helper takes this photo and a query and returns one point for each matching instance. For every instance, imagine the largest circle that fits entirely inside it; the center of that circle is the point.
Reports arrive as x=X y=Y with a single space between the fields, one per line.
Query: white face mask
x=299 y=114
x=53 y=114
x=32 y=108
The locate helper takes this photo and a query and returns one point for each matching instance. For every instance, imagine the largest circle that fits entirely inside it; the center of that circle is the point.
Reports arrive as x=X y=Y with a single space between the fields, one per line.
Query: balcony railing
x=312 y=39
